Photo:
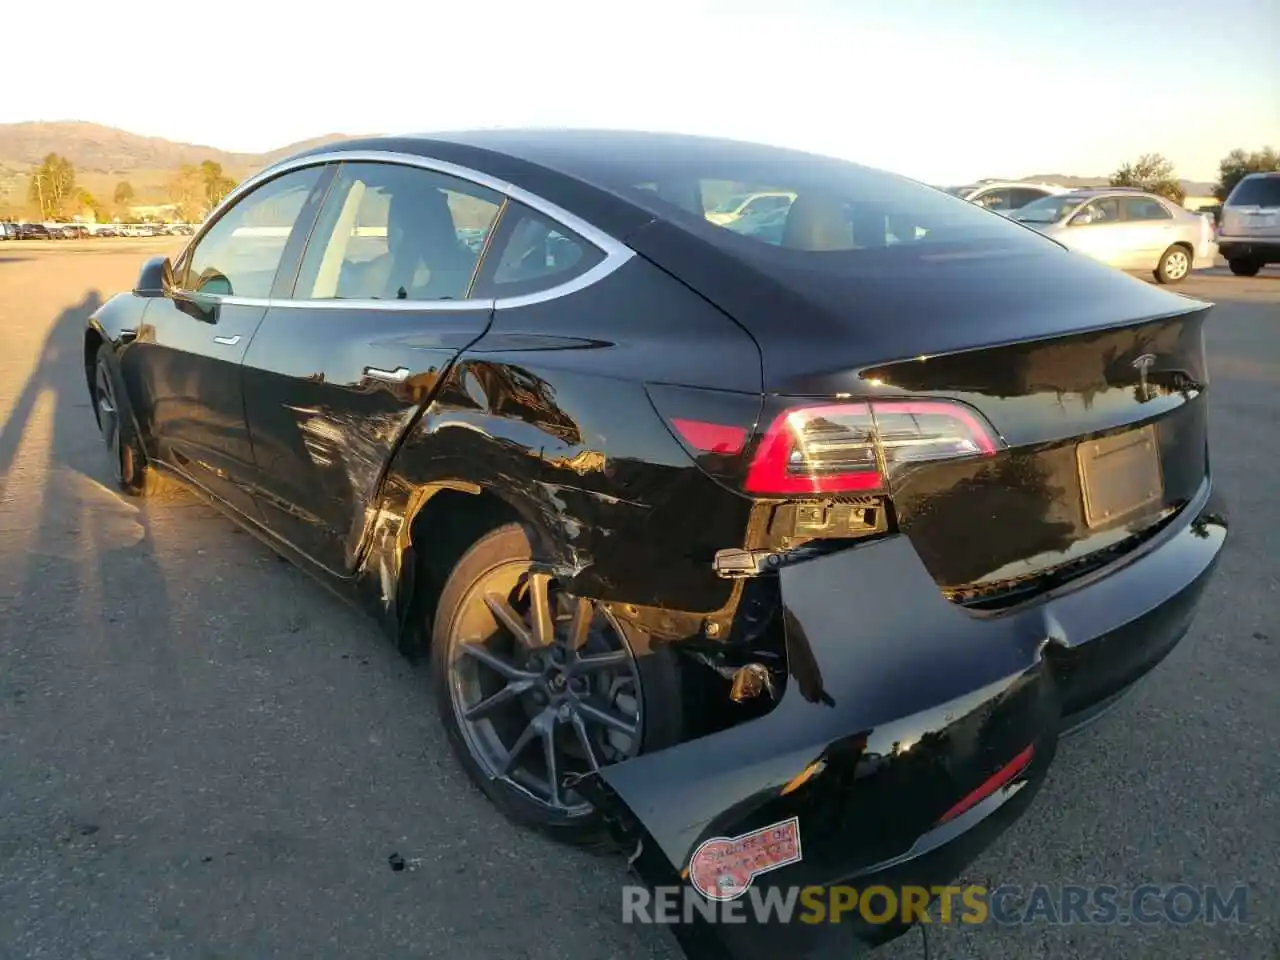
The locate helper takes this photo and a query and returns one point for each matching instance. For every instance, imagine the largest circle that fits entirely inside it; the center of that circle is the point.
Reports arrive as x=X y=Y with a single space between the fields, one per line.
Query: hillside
x=103 y=156
x=97 y=149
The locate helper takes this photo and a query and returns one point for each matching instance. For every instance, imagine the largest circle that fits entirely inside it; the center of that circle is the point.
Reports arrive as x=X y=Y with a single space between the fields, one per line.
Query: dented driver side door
x=338 y=373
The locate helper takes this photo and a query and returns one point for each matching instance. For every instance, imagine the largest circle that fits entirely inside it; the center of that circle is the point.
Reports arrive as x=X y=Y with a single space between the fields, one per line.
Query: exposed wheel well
x=92 y=341
x=441 y=532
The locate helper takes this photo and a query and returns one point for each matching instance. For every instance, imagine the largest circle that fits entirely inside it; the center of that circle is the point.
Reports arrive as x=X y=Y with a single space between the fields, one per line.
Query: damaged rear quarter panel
x=548 y=412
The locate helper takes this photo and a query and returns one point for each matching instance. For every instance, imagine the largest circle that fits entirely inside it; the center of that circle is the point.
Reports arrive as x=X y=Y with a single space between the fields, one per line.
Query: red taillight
x=710 y=437
x=852 y=447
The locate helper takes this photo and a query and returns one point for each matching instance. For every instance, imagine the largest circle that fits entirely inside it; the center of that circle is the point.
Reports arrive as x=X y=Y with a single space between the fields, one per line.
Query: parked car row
x=1125 y=227
x=77 y=231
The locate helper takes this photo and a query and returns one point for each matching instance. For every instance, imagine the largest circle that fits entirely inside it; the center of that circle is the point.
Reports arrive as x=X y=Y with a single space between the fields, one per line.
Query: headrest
x=421 y=214
x=817 y=222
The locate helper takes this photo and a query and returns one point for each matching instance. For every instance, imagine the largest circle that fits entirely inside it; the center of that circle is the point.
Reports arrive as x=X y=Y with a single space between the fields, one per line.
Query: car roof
x=580 y=152
x=579 y=170
x=1094 y=192
x=1000 y=184
x=587 y=154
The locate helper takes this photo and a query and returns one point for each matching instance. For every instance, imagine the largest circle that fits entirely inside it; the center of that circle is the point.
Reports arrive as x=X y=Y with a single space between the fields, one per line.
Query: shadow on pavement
x=74 y=548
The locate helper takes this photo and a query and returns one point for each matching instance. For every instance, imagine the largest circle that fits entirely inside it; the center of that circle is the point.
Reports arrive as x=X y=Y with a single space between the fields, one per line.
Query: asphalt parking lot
x=204 y=754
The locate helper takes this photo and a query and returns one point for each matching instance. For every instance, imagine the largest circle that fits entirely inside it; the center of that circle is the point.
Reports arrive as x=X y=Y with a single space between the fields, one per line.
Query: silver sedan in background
x=1126 y=228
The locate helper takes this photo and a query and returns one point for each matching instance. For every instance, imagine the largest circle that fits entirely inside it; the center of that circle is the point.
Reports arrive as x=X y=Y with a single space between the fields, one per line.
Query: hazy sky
x=944 y=90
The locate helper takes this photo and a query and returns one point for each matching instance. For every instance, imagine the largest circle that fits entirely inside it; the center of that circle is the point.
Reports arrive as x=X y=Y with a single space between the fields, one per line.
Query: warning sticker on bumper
x=722 y=868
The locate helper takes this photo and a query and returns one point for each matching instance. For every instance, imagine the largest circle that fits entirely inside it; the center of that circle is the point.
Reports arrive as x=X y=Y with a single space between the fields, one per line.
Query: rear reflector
x=1001 y=778
x=860 y=447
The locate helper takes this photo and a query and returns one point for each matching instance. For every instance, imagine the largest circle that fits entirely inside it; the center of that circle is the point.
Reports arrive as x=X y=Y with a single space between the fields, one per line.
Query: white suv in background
x=1249 y=231
x=1003 y=196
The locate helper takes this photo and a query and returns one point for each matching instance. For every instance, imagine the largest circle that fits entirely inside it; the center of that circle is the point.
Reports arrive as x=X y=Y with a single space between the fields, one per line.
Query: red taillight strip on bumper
x=1002 y=777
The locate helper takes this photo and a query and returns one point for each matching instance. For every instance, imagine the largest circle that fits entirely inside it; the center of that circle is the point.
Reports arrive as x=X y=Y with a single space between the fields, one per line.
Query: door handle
x=398 y=375
x=229 y=341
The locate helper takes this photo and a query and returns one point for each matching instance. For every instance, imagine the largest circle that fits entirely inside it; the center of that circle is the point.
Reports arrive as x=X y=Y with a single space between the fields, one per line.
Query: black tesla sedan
x=810 y=541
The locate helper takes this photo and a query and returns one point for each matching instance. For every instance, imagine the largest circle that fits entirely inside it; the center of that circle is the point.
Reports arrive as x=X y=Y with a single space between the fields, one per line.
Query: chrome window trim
x=218 y=299
x=615 y=252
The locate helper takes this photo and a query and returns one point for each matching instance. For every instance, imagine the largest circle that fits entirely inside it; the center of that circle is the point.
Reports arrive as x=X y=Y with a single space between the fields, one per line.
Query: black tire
x=656 y=669
x=125 y=456
x=1174 y=265
x=1244 y=268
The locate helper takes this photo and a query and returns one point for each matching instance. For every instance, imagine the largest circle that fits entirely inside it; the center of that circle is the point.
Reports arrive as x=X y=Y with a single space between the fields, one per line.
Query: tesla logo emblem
x=1143 y=365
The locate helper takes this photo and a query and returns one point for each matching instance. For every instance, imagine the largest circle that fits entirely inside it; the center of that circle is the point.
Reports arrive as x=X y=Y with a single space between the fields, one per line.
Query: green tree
x=124 y=195
x=87 y=201
x=53 y=185
x=1236 y=164
x=186 y=189
x=216 y=185
x=1153 y=173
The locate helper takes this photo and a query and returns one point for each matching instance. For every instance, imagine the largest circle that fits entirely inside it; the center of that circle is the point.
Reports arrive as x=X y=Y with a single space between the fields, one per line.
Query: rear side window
x=531 y=253
x=1144 y=208
x=1256 y=192
x=1105 y=210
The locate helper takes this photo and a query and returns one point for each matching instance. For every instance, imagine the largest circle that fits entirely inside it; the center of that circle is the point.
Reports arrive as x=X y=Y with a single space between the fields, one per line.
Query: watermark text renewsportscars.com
x=1052 y=904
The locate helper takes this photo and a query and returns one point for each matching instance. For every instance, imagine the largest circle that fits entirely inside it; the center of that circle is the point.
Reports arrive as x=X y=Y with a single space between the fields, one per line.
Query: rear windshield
x=819 y=206
x=1257 y=192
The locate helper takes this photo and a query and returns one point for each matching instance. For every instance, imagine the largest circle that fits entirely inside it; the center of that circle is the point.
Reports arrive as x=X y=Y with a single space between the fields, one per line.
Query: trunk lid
x=1092 y=380
x=1106 y=441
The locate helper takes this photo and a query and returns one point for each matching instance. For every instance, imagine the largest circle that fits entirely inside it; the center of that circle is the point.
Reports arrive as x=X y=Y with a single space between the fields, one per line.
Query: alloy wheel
x=544 y=685
x=1176 y=265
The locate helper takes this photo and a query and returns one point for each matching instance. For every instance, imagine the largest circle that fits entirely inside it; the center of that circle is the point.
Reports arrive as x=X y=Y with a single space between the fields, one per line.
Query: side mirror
x=1081 y=220
x=156 y=278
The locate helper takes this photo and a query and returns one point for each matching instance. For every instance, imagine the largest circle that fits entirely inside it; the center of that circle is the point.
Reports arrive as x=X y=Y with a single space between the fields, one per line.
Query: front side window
x=1144 y=208
x=396 y=232
x=1050 y=209
x=531 y=253
x=241 y=252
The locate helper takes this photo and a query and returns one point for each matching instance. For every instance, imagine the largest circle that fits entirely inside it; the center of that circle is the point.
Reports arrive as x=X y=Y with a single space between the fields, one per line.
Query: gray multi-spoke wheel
x=539 y=688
